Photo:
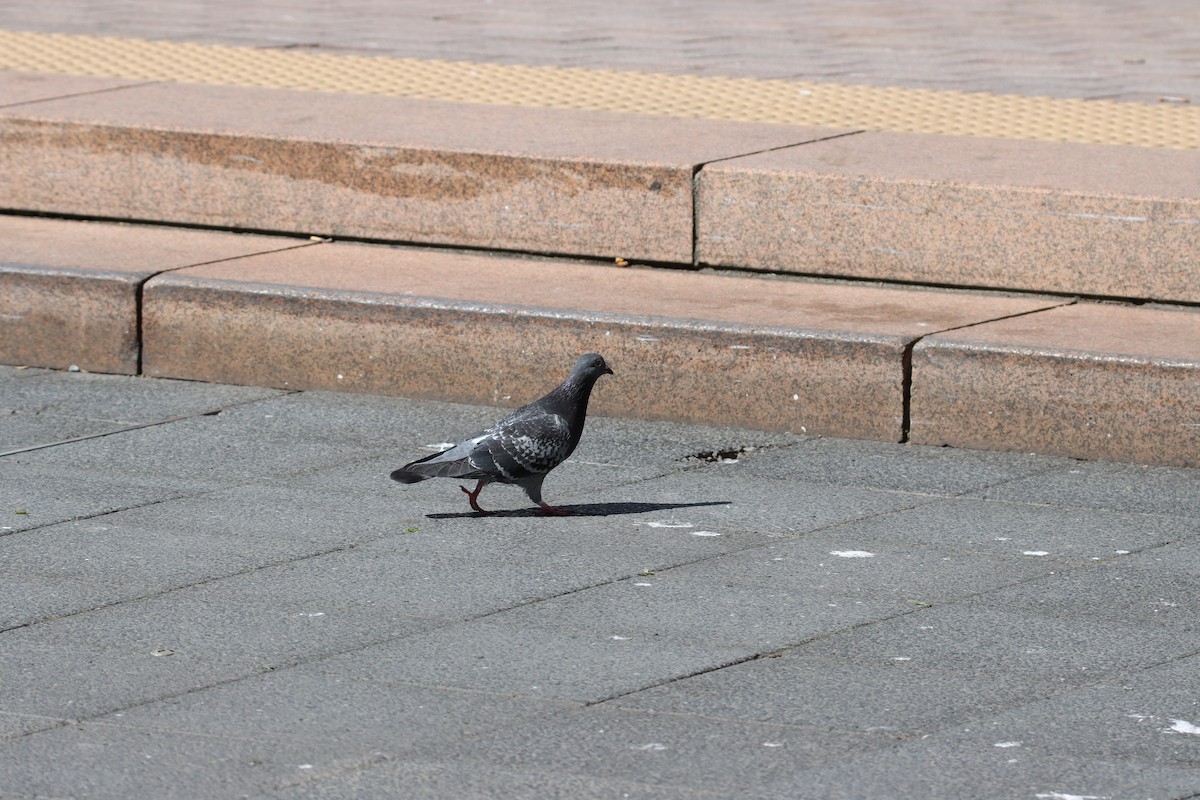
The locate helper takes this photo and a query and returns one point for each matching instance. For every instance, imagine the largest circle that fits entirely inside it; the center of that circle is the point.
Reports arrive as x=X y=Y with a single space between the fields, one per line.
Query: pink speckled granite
x=754 y=352
x=1077 y=219
x=1089 y=380
x=551 y=181
x=69 y=290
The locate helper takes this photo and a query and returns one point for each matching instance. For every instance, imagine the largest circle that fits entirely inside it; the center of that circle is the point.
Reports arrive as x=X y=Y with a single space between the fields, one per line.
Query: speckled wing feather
x=529 y=441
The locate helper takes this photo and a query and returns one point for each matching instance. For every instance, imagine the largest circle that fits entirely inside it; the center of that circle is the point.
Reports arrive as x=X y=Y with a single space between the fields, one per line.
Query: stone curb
x=972 y=370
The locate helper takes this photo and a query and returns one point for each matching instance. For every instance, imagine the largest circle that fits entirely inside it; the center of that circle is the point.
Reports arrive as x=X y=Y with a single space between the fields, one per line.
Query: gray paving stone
x=944 y=665
x=473 y=567
x=908 y=468
x=353 y=713
x=488 y=654
x=419 y=780
x=13 y=724
x=1142 y=717
x=270 y=438
x=247 y=737
x=771 y=597
x=1120 y=487
x=105 y=660
x=119 y=398
x=944 y=769
x=1153 y=589
x=317 y=613
x=313 y=578
x=458 y=566
x=664 y=750
x=1054 y=534
x=73 y=566
x=29 y=430
x=740 y=502
x=635 y=443
x=289 y=435
x=111 y=763
x=12 y=373
x=35 y=496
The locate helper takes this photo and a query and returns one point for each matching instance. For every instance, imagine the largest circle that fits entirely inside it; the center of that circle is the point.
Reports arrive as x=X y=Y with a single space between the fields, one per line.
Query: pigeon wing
x=530 y=441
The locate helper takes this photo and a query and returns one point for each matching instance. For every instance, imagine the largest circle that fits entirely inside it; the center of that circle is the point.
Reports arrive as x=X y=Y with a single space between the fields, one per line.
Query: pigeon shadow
x=582 y=510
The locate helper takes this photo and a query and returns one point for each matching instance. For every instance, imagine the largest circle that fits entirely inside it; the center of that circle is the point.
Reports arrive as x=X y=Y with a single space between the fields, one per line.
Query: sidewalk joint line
x=46 y=445
x=71 y=95
x=81 y=518
x=207 y=413
x=202 y=582
x=788 y=146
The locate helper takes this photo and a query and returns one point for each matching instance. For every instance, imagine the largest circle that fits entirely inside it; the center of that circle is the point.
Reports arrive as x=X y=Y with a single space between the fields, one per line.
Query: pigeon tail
x=404 y=476
x=437 y=465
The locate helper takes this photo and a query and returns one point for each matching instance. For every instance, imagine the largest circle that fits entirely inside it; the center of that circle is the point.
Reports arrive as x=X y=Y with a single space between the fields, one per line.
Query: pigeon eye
x=598 y=363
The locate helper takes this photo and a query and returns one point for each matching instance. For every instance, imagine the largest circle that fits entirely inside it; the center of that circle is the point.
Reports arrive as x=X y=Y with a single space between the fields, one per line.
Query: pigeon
x=522 y=447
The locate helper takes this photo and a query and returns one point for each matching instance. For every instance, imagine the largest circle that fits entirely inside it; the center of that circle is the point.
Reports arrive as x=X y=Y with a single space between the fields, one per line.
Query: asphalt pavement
x=215 y=591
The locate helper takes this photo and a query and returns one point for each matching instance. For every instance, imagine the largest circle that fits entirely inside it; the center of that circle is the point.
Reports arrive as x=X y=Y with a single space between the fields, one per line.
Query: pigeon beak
x=607 y=370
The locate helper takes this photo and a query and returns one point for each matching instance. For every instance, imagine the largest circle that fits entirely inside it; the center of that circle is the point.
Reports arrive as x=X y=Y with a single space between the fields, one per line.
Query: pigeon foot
x=473 y=495
x=550 y=510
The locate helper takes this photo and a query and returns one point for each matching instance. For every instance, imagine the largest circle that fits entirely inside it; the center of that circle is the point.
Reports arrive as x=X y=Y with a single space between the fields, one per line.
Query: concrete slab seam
x=193 y=584
x=81 y=518
x=70 y=95
x=209 y=413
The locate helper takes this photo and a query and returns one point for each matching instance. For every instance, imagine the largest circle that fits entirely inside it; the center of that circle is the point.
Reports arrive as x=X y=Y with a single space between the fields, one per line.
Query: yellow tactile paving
x=740 y=99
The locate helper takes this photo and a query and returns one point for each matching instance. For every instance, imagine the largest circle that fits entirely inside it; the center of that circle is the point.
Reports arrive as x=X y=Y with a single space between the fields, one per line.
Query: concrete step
x=1101 y=221
x=972 y=369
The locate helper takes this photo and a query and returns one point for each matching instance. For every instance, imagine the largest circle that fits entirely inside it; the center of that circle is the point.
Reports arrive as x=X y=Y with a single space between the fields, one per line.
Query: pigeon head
x=589 y=368
x=591 y=365
x=574 y=391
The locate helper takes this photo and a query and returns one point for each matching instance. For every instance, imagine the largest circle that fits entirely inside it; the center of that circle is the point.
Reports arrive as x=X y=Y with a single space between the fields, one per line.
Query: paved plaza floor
x=216 y=591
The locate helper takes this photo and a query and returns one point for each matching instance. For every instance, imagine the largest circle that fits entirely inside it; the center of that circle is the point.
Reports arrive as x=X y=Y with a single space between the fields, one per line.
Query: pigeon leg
x=472 y=495
x=533 y=488
x=554 y=512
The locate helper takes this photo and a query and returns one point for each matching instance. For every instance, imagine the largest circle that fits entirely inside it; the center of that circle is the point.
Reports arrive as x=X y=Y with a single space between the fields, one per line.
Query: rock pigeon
x=524 y=446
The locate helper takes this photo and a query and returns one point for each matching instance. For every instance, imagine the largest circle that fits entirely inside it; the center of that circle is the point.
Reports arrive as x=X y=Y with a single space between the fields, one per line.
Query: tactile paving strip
x=739 y=99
